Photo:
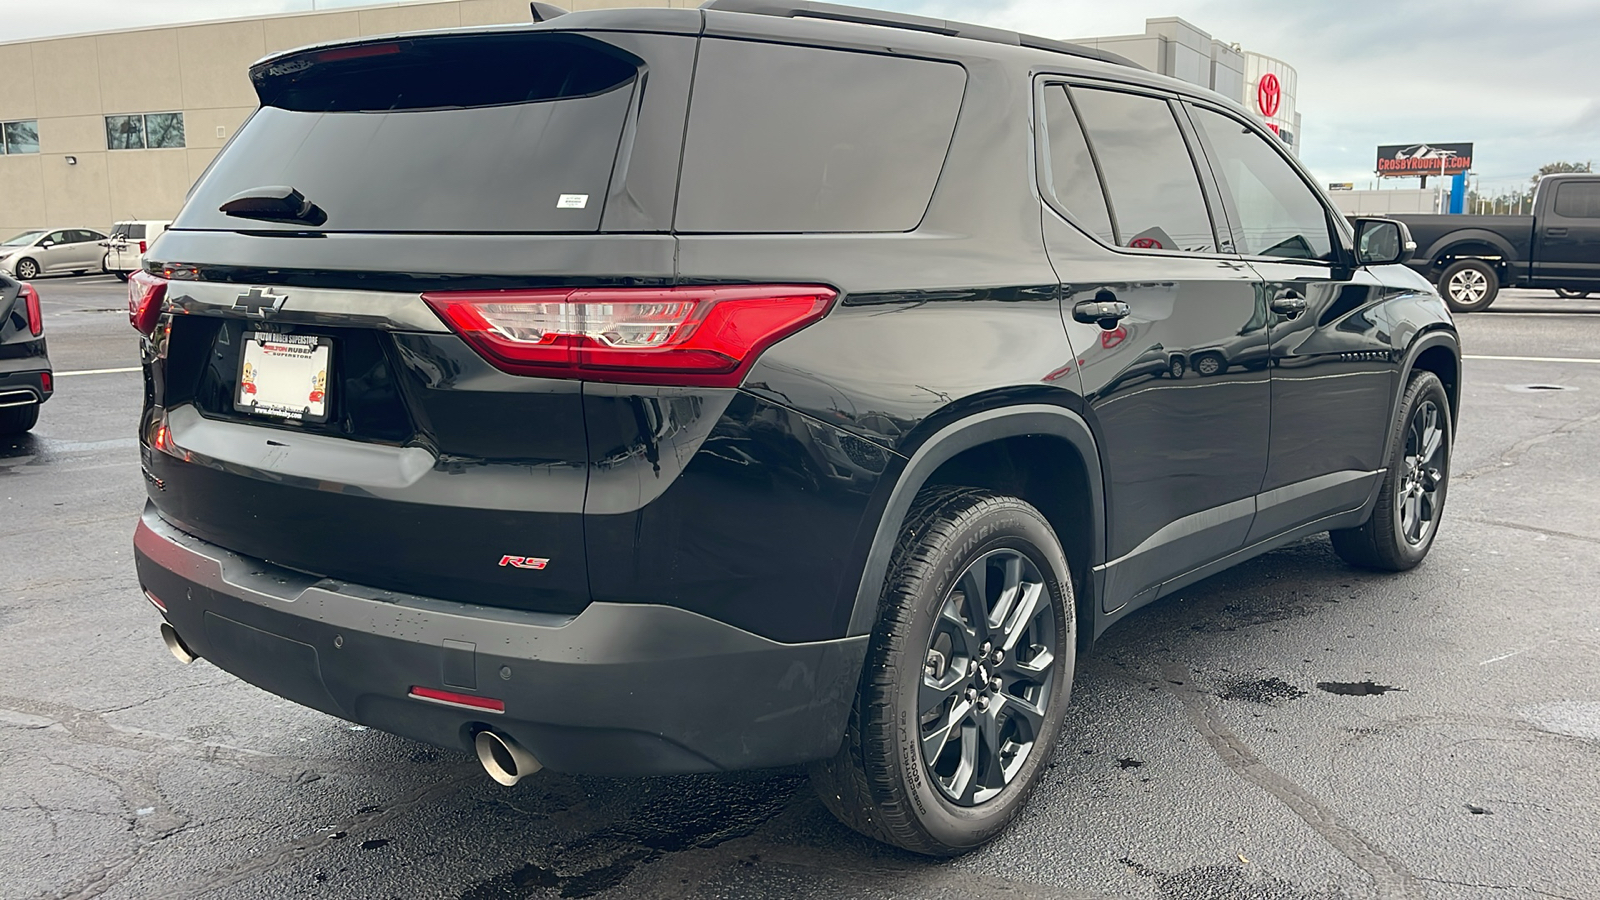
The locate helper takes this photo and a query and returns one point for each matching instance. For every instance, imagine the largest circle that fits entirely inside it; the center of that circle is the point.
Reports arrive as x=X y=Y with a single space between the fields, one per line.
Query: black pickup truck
x=1472 y=257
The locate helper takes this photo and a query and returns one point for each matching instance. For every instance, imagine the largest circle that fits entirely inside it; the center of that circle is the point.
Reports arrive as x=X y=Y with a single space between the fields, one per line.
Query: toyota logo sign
x=1269 y=95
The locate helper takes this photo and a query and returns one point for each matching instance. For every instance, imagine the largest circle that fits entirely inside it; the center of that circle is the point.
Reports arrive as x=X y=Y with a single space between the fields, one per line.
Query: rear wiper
x=274 y=203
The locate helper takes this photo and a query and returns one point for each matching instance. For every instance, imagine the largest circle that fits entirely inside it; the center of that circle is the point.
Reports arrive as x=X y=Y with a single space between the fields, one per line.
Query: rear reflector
x=154 y=601
x=699 y=335
x=146 y=293
x=30 y=300
x=46 y=381
x=449 y=698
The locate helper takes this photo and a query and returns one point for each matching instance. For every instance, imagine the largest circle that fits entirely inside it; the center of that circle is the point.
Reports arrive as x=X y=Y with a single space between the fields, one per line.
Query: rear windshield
x=503 y=133
x=802 y=139
x=132 y=230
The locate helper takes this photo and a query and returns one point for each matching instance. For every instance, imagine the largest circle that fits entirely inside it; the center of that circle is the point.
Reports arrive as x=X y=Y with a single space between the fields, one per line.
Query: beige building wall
x=70 y=84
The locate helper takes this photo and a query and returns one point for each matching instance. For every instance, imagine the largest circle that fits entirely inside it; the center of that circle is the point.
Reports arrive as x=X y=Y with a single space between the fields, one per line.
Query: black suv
x=657 y=391
x=26 y=380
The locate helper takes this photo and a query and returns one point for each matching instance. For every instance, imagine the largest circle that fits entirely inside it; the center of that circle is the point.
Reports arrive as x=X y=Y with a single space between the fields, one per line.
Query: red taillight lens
x=451 y=698
x=142 y=245
x=146 y=293
x=702 y=336
x=30 y=304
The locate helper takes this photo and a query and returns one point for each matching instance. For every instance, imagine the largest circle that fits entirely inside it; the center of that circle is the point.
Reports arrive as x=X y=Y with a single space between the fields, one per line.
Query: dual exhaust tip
x=506 y=761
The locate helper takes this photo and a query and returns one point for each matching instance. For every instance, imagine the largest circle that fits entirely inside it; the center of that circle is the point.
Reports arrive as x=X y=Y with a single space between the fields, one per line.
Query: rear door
x=1179 y=388
x=1333 y=360
x=309 y=407
x=1569 y=237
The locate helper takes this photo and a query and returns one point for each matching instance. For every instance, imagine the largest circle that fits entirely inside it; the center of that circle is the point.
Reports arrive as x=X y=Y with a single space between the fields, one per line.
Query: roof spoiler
x=810 y=9
x=544 y=12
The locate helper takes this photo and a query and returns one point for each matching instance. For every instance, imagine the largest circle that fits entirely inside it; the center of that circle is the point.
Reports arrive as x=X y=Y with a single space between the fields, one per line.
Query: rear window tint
x=128 y=230
x=801 y=139
x=509 y=133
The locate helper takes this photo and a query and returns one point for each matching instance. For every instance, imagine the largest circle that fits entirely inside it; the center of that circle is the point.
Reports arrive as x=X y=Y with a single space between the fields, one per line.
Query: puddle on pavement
x=33 y=450
x=1263 y=690
x=1355 y=688
x=1537 y=388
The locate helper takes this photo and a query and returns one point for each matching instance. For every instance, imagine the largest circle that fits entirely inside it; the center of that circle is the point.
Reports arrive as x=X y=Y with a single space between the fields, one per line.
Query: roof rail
x=811 y=9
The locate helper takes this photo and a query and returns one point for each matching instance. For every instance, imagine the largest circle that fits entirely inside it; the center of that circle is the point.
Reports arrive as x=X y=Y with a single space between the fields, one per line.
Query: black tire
x=18 y=419
x=121 y=276
x=26 y=269
x=1469 y=285
x=878 y=783
x=1417 y=475
x=1176 y=367
x=1569 y=294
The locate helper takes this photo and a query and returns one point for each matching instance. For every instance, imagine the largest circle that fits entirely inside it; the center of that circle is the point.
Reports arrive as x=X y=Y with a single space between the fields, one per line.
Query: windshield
x=27 y=237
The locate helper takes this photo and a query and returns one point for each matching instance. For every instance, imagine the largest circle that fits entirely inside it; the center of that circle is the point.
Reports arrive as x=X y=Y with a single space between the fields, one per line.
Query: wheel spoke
x=933 y=741
x=1032 y=668
x=991 y=771
x=974 y=586
x=934 y=692
x=1010 y=591
x=962 y=782
x=1028 y=607
x=953 y=621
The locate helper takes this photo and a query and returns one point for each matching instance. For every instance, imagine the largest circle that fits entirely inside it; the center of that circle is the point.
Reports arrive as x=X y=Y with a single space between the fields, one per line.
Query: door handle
x=1288 y=302
x=1555 y=232
x=1105 y=313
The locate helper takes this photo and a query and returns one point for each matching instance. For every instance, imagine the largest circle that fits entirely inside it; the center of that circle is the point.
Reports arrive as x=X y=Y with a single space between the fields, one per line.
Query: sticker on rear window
x=572 y=201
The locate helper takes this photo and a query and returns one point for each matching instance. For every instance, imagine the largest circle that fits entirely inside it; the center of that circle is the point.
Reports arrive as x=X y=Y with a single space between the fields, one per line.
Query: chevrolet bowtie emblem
x=259 y=302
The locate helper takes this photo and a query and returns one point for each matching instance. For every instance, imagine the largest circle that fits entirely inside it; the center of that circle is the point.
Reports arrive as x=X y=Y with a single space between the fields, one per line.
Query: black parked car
x=26 y=380
x=816 y=405
x=1557 y=246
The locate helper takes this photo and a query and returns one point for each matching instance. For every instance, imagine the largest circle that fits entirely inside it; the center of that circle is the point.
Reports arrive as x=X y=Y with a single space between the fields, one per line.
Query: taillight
x=30 y=303
x=700 y=335
x=145 y=295
x=142 y=245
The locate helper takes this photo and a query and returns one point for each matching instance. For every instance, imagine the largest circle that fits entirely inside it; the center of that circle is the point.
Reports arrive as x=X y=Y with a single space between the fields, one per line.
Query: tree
x=1557 y=168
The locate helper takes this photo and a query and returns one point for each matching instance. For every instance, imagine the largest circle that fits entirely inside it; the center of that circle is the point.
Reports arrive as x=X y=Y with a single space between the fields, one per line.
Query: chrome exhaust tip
x=176 y=646
x=503 y=758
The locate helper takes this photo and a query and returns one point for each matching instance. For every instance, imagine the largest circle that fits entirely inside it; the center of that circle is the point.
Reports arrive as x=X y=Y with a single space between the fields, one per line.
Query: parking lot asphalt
x=1292 y=729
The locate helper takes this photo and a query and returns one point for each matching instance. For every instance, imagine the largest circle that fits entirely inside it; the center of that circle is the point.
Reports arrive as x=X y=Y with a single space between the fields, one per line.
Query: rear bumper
x=618 y=689
x=15 y=385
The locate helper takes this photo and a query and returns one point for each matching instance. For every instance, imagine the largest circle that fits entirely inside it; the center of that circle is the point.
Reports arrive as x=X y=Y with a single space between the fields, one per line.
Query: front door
x=1178 y=389
x=1334 y=366
x=1569 y=237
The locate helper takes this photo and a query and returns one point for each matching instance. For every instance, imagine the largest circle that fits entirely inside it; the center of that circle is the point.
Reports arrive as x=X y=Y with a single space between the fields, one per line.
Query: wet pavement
x=1289 y=730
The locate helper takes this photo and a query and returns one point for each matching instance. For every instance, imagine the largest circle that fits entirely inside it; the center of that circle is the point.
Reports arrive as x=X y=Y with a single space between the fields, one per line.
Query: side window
x=1578 y=200
x=1071 y=176
x=1279 y=214
x=55 y=237
x=801 y=139
x=1150 y=177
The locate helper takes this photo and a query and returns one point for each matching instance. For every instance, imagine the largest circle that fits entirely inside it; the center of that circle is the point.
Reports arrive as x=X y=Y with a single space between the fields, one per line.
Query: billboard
x=1411 y=160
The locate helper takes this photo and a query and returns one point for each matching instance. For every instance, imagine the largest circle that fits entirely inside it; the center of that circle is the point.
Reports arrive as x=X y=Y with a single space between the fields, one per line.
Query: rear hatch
x=306 y=404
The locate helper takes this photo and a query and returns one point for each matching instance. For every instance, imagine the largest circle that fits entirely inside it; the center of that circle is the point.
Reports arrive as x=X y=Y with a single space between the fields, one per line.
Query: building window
x=137 y=132
x=20 y=137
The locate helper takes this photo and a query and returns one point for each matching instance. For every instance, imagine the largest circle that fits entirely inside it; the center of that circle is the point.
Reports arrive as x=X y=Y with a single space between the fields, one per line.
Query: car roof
x=824 y=24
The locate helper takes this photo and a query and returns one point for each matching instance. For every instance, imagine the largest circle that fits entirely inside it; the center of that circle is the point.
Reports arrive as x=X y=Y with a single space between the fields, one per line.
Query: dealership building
x=87 y=139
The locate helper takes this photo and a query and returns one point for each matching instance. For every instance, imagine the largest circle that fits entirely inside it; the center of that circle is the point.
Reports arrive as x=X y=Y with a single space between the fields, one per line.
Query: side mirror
x=44 y=244
x=1383 y=242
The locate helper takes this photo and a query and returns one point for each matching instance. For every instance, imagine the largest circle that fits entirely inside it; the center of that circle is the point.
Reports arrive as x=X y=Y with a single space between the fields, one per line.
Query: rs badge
x=524 y=562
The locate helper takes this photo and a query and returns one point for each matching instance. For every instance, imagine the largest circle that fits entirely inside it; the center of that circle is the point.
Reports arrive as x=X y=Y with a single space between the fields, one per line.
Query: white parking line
x=96 y=372
x=1548 y=359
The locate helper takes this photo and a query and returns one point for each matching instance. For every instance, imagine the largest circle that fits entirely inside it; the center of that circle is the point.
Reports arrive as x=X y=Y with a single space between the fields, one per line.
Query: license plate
x=285 y=376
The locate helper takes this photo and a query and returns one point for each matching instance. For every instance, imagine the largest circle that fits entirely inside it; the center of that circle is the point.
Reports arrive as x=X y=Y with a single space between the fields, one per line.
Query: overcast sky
x=1520 y=79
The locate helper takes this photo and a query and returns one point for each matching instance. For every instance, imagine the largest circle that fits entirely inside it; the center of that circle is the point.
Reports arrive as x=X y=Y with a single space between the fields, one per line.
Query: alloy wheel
x=27 y=269
x=988 y=677
x=1425 y=462
x=1468 y=286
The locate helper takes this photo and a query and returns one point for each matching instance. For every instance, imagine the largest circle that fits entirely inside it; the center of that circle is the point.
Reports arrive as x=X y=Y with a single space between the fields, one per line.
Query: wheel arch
x=1470 y=242
x=1436 y=351
x=1012 y=450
